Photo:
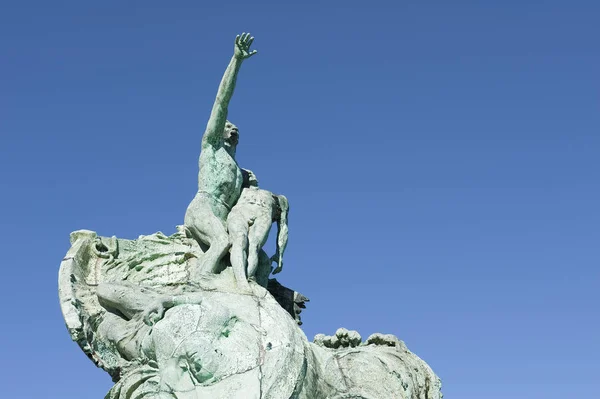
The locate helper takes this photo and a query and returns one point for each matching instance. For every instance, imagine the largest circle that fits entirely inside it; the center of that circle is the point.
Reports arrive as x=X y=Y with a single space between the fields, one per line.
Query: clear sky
x=441 y=159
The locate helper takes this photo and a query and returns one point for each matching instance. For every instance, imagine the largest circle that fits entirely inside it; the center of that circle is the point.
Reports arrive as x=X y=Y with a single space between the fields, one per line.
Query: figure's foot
x=244 y=287
x=342 y=339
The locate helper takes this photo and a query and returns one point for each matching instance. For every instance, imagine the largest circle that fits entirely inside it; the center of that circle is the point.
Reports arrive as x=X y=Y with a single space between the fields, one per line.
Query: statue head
x=231 y=134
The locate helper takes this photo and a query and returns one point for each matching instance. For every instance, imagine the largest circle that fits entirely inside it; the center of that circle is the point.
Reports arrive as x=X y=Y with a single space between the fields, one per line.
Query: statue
x=219 y=178
x=249 y=224
x=168 y=317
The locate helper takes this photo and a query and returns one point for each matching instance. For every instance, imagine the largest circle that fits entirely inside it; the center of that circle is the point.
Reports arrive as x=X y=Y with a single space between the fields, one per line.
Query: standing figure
x=220 y=178
x=249 y=224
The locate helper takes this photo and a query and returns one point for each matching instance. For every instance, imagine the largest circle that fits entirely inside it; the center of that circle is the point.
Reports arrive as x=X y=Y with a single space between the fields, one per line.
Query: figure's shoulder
x=211 y=142
x=209 y=150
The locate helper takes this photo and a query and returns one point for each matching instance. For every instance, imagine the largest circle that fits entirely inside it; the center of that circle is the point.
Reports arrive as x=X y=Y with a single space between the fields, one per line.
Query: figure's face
x=231 y=134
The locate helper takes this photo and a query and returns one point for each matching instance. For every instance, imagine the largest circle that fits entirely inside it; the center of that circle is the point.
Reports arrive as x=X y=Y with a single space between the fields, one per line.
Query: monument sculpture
x=195 y=314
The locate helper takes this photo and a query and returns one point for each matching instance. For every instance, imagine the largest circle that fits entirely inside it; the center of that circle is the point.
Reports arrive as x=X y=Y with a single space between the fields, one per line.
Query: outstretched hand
x=241 y=50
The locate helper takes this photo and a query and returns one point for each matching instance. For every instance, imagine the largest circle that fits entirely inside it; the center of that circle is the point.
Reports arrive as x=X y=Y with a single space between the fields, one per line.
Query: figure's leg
x=237 y=226
x=208 y=229
x=257 y=236
x=264 y=268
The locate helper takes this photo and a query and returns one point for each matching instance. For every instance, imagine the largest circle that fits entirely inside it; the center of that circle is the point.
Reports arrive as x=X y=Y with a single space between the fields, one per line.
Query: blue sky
x=441 y=159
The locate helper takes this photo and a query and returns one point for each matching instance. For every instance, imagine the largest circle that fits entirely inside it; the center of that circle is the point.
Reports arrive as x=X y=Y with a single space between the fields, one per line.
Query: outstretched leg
x=208 y=229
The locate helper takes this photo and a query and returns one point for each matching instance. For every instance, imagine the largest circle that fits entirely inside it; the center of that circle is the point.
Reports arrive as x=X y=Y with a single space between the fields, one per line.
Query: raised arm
x=218 y=116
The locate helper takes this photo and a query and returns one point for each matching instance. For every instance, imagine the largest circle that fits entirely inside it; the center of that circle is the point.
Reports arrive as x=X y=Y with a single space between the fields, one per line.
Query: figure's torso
x=219 y=175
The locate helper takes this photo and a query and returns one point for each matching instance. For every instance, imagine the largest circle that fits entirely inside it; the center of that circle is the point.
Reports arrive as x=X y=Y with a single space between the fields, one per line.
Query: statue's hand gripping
x=155 y=311
x=241 y=50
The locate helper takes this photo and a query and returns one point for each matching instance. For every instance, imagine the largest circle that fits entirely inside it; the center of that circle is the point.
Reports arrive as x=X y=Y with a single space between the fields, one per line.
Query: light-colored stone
x=167 y=319
x=131 y=308
x=248 y=225
x=220 y=179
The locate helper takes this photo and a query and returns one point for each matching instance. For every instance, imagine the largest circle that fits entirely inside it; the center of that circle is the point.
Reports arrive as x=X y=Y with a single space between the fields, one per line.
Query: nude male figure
x=220 y=178
x=249 y=224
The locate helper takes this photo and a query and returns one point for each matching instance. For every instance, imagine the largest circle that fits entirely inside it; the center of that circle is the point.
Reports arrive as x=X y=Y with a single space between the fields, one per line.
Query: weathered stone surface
x=213 y=341
x=170 y=318
x=382 y=367
x=130 y=306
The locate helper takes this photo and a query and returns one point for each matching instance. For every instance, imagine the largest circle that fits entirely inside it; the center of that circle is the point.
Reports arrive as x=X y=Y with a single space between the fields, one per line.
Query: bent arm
x=250 y=179
x=192 y=298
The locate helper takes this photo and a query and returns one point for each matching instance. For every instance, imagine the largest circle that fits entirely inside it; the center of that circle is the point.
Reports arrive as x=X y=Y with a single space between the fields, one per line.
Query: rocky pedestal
x=131 y=307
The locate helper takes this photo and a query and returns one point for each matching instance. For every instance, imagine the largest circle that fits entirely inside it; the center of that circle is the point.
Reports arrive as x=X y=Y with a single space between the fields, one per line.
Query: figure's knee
x=193 y=228
x=220 y=243
x=190 y=217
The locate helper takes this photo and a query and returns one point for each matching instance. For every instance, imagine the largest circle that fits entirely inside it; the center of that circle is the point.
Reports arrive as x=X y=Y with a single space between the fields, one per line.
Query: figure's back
x=258 y=197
